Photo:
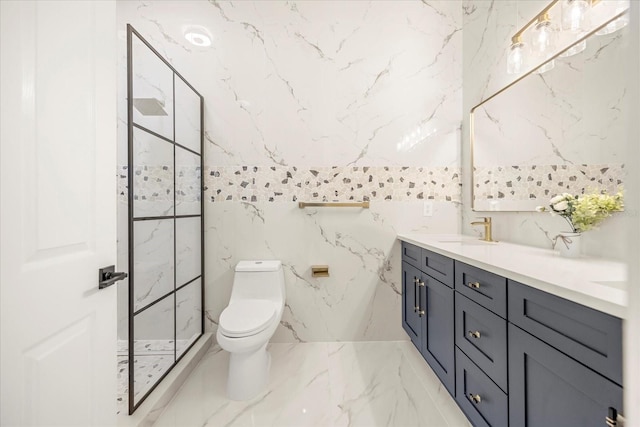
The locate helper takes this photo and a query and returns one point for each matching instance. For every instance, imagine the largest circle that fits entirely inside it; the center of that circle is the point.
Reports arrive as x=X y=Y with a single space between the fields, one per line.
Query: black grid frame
x=131 y=32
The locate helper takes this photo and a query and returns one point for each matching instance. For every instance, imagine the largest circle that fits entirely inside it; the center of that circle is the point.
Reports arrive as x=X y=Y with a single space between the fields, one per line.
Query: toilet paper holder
x=320 y=270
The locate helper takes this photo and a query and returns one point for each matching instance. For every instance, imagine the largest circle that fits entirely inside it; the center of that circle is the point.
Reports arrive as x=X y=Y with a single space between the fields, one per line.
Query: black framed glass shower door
x=165 y=227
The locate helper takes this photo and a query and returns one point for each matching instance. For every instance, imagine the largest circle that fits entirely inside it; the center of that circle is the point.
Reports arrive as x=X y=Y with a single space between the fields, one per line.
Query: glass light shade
x=621 y=6
x=575 y=49
x=515 y=59
x=546 y=67
x=575 y=16
x=543 y=38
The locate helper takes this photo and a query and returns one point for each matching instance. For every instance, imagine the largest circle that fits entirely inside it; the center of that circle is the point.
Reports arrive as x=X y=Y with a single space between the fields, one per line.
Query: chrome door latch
x=107 y=276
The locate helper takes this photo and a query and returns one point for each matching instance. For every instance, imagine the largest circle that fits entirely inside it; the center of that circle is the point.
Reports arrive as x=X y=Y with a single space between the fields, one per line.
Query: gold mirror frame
x=528 y=73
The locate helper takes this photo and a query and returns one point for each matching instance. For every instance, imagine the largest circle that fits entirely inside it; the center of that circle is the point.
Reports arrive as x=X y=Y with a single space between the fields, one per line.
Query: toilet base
x=248 y=374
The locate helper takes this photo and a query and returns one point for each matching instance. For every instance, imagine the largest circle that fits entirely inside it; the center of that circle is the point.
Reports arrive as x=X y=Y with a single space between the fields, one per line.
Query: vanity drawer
x=411 y=254
x=437 y=266
x=482 y=336
x=589 y=336
x=491 y=405
x=487 y=289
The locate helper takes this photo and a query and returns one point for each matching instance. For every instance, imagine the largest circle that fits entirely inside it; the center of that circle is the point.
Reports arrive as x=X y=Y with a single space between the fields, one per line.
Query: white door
x=58 y=212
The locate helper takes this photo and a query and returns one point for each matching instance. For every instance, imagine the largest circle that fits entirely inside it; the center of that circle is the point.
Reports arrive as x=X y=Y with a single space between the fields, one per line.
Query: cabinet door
x=548 y=388
x=438 y=338
x=411 y=321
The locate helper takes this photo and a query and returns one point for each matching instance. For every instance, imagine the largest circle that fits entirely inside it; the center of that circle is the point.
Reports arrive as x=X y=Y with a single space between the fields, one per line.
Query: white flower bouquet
x=586 y=211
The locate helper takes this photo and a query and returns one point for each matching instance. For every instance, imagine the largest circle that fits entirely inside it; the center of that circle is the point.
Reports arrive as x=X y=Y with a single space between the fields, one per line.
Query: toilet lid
x=246 y=317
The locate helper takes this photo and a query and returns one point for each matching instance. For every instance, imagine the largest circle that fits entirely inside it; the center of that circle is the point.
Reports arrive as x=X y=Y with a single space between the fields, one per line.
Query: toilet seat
x=246 y=317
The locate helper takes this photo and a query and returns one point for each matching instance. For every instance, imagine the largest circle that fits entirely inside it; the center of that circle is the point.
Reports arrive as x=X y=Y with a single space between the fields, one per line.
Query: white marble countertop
x=596 y=283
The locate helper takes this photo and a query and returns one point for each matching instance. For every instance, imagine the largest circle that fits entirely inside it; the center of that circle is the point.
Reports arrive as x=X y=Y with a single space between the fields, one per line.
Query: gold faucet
x=487 y=228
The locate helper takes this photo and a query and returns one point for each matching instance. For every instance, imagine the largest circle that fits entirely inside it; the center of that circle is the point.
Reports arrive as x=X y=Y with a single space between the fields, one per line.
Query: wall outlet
x=427 y=209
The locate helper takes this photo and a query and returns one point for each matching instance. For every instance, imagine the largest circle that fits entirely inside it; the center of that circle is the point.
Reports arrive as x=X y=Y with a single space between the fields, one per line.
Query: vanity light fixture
x=574 y=15
x=574 y=19
x=515 y=59
x=543 y=38
x=618 y=24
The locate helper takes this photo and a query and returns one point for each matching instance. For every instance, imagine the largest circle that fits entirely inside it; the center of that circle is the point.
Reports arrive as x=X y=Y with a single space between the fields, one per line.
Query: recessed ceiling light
x=197 y=36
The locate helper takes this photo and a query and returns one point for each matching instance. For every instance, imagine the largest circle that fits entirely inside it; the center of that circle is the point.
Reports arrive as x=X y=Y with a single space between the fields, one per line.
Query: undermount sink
x=467 y=242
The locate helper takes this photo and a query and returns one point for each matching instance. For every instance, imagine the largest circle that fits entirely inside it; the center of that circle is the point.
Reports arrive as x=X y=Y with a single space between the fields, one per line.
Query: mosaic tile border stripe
x=544 y=181
x=289 y=184
x=286 y=184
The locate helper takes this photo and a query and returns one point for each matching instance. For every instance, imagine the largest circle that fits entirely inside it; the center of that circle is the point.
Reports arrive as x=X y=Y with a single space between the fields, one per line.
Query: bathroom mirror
x=559 y=131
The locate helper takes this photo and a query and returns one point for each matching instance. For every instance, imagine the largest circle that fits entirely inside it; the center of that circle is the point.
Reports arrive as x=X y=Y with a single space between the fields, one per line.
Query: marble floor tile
x=152 y=358
x=353 y=384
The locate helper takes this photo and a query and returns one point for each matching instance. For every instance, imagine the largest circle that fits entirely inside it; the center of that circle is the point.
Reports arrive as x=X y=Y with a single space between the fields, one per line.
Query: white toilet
x=247 y=324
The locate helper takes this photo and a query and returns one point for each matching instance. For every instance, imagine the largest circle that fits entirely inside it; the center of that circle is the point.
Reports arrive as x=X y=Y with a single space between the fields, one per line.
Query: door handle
x=107 y=276
x=614 y=419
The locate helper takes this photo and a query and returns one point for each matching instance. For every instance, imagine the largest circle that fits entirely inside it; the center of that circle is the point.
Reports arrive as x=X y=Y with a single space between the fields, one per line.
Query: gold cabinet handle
x=474 y=334
x=420 y=285
x=475 y=398
x=416 y=303
x=474 y=285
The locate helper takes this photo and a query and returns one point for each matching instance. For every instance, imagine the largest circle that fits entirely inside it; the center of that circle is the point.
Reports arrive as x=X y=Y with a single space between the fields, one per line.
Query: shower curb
x=149 y=411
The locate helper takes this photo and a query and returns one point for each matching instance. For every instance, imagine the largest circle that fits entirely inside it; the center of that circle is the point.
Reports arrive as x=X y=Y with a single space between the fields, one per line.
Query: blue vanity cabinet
x=427 y=309
x=510 y=354
x=411 y=319
x=438 y=338
x=549 y=388
x=565 y=361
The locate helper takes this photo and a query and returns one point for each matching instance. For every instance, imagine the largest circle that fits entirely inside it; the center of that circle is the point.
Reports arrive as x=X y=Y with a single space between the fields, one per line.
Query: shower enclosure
x=165 y=219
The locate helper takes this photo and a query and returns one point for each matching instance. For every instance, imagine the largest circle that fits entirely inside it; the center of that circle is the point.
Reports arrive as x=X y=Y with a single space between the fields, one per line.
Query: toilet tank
x=260 y=280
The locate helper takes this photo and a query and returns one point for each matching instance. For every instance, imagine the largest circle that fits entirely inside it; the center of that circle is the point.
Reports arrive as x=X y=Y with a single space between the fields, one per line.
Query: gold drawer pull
x=421 y=313
x=474 y=285
x=415 y=309
x=475 y=398
x=416 y=280
x=420 y=283
x=474 y=334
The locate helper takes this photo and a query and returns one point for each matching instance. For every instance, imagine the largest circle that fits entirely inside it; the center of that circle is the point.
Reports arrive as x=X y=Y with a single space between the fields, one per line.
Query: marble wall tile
x=187 y=116
x=360 y=300
x=152 y=176
x=318 y=91
x=188 y=249
x=188 y=174
x=153 y=260
x=188 y=315
x=152 y=91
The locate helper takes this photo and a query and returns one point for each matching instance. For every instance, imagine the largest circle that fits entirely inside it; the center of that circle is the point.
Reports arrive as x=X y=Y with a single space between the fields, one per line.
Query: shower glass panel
x=153 y=345
x=188 y=313
x=166 y=246
x=152 y=175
